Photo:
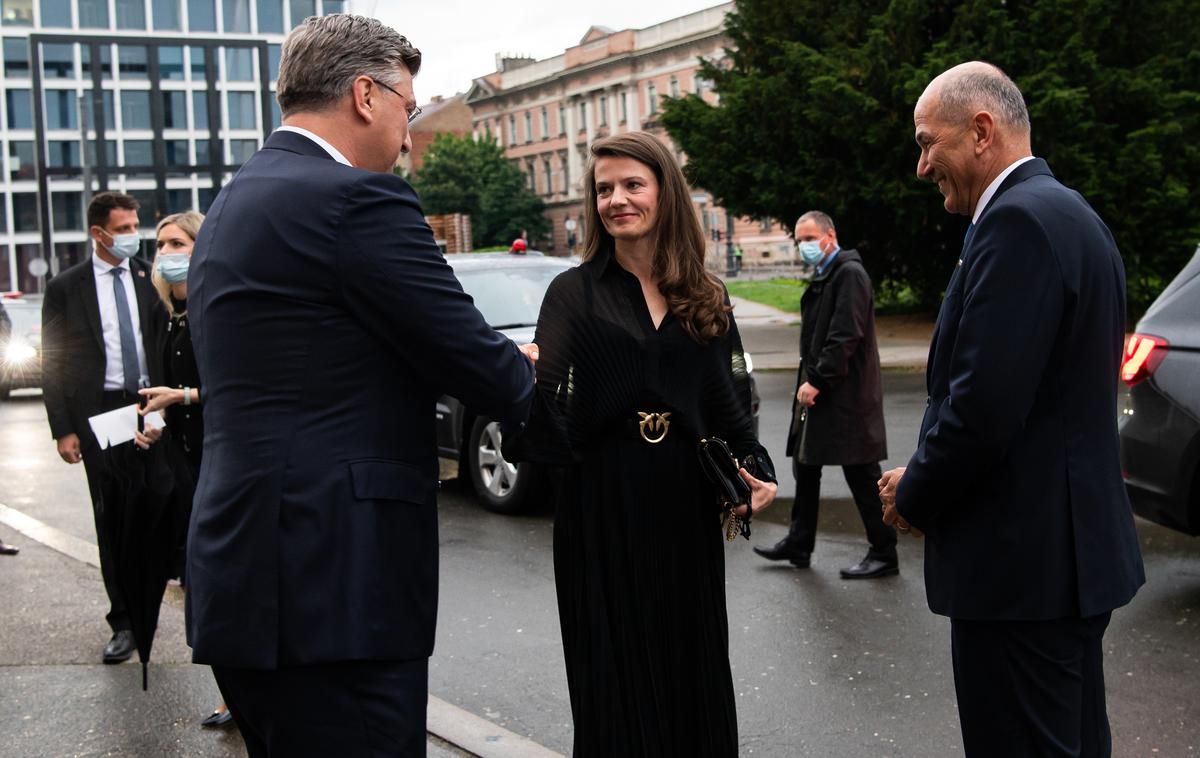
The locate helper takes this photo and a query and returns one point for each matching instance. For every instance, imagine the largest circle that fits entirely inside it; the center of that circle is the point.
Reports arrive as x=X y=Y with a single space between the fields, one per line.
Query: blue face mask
x=173 y=267
x=810 y=252
x=125 y=245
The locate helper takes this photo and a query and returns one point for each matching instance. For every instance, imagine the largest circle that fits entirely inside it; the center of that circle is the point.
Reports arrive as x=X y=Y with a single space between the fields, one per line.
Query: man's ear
x=364 y=97
x=983 y=129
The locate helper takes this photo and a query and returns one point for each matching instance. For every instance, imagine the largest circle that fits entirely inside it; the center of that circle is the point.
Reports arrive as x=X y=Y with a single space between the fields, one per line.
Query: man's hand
x=807 y=395
x=68 y=448
x=887 y=495
x=145 y=439
x=762 y=493
x=530 y=351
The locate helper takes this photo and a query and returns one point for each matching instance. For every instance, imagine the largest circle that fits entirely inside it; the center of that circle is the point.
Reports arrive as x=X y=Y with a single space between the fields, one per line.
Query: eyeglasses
x=412 y=115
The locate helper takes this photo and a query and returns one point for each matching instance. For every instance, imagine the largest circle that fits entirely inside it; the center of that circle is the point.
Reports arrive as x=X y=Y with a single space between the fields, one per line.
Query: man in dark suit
x=326 y=324
x=1016 y=481
x=102 y=324
x=837 y=414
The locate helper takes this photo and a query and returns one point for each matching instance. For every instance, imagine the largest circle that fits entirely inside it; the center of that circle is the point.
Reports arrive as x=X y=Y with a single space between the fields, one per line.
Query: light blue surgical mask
x=810 y=252
x=124 y=245
x=173 y=267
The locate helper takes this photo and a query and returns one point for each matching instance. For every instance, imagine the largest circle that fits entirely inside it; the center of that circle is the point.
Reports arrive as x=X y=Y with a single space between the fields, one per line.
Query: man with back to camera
x=102 y=326
x=326 y=323
x=837 y=413
x=1016 y=480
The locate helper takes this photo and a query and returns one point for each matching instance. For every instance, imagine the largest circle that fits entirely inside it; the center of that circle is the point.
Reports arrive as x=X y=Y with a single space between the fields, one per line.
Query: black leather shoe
x=785 y=550
x=119 y=648
x=218 y=718
x=871 y=568
x=6 y=549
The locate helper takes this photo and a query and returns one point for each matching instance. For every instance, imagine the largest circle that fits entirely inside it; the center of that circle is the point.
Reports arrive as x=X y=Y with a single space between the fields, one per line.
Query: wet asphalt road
x=821 y=667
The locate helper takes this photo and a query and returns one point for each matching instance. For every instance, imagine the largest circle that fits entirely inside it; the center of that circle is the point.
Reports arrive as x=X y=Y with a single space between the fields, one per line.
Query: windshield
x=509 y=297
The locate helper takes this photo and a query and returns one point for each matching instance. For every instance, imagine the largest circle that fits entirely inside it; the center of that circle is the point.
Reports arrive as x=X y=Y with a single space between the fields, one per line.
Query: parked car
x=508 y=290
x=1160 y=424
x=20 y=343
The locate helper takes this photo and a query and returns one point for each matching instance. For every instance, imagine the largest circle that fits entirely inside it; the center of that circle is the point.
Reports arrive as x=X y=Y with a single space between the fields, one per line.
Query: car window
x=26 y=317
x=509 y=297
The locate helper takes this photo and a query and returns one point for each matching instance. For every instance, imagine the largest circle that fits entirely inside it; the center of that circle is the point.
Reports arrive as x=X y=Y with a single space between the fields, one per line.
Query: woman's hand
x=158 y=398
x=145 y=439
x=762 y=493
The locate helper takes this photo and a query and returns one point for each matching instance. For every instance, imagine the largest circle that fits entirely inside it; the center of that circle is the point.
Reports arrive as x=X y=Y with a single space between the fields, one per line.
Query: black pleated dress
x=638 y=545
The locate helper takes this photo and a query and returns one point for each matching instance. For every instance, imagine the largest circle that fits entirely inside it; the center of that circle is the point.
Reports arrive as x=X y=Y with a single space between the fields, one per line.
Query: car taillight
x=1143 y=353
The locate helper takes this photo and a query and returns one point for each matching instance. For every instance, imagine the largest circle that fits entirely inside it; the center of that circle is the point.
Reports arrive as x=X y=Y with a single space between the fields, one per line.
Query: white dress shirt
x=986 y=197
x=110 y=327
x=333 y=151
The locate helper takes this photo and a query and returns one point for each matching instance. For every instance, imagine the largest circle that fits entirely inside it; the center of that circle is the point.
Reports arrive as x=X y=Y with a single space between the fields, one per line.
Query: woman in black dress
x=639 y=357
x=179 y=399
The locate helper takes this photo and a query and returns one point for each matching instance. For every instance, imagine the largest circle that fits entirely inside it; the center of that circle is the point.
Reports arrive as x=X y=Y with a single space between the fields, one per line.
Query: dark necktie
x=129 y=356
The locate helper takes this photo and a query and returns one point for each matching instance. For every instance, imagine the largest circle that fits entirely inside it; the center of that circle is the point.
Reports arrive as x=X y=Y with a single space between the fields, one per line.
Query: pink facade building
x=548 y=112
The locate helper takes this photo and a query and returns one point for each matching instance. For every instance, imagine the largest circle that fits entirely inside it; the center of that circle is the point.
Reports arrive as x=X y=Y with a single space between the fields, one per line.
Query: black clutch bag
x=721 y=468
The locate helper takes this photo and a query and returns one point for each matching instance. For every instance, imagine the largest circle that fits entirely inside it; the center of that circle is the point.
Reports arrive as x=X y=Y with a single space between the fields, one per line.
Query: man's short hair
x=324 y=55
x=104 y=203
x=822 y=220
x=988 y=90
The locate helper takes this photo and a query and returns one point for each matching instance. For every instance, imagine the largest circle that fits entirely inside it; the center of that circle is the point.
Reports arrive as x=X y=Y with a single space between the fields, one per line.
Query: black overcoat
x=839 y=356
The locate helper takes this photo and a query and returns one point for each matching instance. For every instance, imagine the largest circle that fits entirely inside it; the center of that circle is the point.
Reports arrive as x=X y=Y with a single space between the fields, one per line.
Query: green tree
x=460 y=175
x=816 y=107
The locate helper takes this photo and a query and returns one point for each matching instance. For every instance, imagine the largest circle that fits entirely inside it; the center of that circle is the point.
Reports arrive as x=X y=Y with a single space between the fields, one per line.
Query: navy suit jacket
x=326 y=323
x=1016 y=480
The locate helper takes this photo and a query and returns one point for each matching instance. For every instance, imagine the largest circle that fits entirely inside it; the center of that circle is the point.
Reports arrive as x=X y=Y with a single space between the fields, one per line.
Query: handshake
x=887 y=495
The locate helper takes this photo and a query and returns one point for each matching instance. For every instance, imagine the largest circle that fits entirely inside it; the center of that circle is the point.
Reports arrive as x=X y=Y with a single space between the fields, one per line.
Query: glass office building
x=162 y=99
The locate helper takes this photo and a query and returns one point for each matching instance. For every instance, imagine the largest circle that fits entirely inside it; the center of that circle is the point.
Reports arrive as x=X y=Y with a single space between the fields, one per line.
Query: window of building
x=240 y=150
x=61 y=112
x=270 y=16
x=545 y=123
x=302 y=9
x=241 y=110
x=512 y=130
x=55 y=14
x=200 y=110
x=16 y=12
x=25 y=215
x=549 y=176
x=603 y=115
x=110 y=152
x=562 y=120
x=235 y=16
x=566 y=172
x=652 y=97
x=177 y=152
x=174 y=109
x=70 y=253
x=582 y=115
x=93 y=14
x=132 y=62
x=105 y=64
x=135 y=109
x=166 y=15
x=531 y=174
x=58 y=61
x=239 y=64
x=198 y=66
x=139 y=153
x=528 y=126
x=179 y=200
x=106 y=107
x=67 y=210
x=16 y=59
x=63 y=153
x=131 y=14
x=273 y=54
x=20 y=108
x=20 y=160
x=329 y=7
x=147 y=210
x=170 y=63
x=203 y=154
x=674 y=87
x=624 y=107
x=202 y=16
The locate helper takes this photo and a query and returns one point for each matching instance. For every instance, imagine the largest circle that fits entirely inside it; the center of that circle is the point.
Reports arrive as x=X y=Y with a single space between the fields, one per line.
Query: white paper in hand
x=118 y=426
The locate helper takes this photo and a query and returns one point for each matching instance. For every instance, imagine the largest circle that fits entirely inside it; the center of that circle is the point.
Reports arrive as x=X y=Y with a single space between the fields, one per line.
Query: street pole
x=730 y=263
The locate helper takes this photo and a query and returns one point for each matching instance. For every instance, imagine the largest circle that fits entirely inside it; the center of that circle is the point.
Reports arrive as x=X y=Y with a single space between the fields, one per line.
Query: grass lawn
x=780 y=293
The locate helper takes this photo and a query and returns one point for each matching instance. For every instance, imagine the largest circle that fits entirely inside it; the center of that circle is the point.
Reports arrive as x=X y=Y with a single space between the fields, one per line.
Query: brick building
x=548 y=112
x=441 y=114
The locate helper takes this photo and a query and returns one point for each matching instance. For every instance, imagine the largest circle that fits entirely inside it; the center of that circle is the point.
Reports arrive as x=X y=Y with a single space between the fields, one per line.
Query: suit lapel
x=85 y=285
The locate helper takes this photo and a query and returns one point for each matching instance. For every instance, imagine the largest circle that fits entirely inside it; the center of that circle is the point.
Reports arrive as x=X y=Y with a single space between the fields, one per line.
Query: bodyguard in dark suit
x=101 y=336
x=837 y=413
x=325 y=324
x=1015 y=481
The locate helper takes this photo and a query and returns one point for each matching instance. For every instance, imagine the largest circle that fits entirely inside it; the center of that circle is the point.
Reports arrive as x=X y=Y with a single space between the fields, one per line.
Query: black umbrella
x=139 y=504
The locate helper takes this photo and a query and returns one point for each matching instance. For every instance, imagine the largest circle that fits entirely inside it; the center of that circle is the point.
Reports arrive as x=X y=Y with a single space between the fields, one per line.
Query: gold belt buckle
x=654 y=423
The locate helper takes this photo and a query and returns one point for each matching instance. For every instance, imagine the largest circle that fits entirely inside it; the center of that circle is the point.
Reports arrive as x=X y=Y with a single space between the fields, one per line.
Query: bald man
x=1016 y=483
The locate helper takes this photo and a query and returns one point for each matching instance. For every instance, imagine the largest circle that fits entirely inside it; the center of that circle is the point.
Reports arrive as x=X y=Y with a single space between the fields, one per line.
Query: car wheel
x=502 y=487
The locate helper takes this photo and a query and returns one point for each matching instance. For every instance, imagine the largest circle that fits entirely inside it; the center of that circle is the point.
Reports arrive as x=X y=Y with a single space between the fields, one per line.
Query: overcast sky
x=459 y=39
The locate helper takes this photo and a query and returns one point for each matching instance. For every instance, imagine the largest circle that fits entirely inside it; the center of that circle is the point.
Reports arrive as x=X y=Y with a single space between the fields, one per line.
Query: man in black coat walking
x=837 y=415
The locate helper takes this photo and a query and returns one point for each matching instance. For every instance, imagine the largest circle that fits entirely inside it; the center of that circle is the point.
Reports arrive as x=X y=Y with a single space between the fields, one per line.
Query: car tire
x=502 y=487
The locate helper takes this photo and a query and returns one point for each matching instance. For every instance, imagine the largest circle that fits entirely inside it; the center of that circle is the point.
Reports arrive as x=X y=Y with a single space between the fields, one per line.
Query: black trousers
x=353 y=709
x=1032 y=688
x=863 y=481
x=94 y=462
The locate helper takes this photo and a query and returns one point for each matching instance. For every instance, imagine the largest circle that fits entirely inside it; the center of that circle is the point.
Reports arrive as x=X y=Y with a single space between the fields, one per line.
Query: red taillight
x=1143 y=353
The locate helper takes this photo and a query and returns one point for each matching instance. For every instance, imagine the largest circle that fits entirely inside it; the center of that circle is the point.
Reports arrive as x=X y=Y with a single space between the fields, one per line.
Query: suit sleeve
x=847 y=325
x=54 y=327
x=1013 y=304
x=398 y=284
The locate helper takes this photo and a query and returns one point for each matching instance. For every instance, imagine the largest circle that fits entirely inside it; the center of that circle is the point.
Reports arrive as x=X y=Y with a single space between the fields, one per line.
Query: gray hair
x=987 y=89
x=822 y=220
x=324 y=55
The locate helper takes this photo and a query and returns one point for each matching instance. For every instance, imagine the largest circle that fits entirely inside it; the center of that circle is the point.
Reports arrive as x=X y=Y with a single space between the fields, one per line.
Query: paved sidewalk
x=772 y=337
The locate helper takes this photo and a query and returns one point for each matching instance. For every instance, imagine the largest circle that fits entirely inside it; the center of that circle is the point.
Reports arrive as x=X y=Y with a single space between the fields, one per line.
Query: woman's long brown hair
x=694 y=296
